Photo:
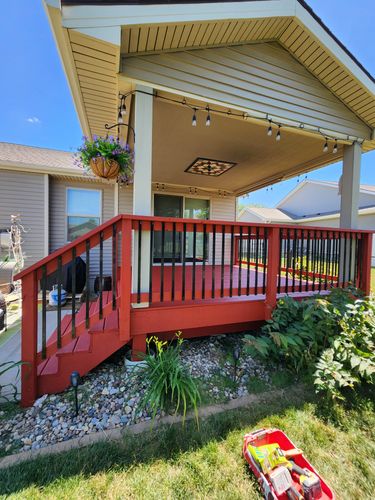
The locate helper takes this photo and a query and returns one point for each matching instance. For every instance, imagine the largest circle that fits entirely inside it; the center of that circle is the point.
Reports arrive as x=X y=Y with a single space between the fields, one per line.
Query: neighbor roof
x=33 y=158
x=269 y=214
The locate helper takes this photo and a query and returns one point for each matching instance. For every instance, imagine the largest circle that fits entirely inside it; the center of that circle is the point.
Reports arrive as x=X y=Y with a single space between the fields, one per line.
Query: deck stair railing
x=158 y=262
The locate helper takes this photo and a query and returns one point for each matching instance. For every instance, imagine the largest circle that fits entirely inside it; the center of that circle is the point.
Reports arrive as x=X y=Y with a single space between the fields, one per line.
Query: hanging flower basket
x=106 y=157
x=102 y=167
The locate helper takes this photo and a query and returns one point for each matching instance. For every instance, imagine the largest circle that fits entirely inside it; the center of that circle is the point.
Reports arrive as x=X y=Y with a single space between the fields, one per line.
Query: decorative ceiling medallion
x=207 y=166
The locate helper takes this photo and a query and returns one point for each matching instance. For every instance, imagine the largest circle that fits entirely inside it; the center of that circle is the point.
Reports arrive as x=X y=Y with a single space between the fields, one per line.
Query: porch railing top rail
x=65 y=251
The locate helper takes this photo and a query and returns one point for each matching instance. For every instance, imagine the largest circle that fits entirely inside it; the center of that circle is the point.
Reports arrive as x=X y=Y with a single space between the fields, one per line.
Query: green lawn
x=176 y=462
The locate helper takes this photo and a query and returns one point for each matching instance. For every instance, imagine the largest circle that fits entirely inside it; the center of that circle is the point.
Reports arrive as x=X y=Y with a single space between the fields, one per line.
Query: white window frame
x=67 y=214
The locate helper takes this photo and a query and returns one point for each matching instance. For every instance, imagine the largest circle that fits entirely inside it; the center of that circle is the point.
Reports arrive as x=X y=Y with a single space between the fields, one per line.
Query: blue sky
x=37 y=108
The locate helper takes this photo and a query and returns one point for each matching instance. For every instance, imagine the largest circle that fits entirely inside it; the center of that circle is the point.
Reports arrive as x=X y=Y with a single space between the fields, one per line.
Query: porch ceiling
x=260 y=159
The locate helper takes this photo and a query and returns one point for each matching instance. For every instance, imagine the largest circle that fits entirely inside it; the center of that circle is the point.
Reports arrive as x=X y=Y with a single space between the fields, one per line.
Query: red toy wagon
x=281 y=469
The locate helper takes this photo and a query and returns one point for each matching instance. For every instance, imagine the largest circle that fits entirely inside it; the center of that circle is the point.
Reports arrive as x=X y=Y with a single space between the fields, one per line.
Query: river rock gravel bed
x=110 y=395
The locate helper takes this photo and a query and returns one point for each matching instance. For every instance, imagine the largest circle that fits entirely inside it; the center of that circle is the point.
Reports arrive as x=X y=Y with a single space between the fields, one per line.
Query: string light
x=269 y=131
x=325 y=147
x=194 y=120
x=278 y=135
x=208 y=119
x=335 y=147
x=123 y=108
x=120 y=118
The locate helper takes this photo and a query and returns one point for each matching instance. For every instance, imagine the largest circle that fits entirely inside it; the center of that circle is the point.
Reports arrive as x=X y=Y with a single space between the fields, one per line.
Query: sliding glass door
x=178 y=206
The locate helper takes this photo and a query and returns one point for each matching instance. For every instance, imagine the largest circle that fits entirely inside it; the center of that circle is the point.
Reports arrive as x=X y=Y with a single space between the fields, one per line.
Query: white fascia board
x=111 y=34
x=333 y=47
x=125 y=15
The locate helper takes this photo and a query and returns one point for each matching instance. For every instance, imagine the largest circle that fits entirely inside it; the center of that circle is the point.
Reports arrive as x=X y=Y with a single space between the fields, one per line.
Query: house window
x=83 y=211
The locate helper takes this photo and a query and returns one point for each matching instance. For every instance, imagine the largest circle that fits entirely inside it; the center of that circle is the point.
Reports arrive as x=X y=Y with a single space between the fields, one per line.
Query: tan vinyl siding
x=125 y=200
x=261 y=77
x=223 y=208
x=58 y=224
x=23 y=193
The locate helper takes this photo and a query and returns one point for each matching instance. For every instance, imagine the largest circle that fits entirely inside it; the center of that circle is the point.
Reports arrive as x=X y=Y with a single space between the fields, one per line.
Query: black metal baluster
x=162 y=262
x=314 y=259
x=248 y=260
x=114 y=266
x=183 y=261
x=294 y=259
x=59 y=286
x=256 y=260
x=204 y=262
x=222 y=260
x=287 y=260
x=350 y=256
x=307 y=260
x=337 y=259
x=44 y=311
x=173 y=260
x=339 y=239
x=344 y=267
x=194 y=260
x=101 y=275
x=326 y=260
x=87 y=302
x=320 y=261
x=151 y=262
x=265 y=253
x=231 y=261
x=213 y=261
x=280 y=260
x=356 y=261
x=139 y=262
x=329 y=260
x=240 y=262
x=301 y=261
x=74 y=289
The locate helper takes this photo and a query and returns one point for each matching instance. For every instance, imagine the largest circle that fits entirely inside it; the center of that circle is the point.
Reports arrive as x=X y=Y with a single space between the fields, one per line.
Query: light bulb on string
x=208 y=119
x=269 y=130
x=123 y=108
x=278 y=135
x=335 y=147
x=325 y=147
x=119 y=118
x=194 y=120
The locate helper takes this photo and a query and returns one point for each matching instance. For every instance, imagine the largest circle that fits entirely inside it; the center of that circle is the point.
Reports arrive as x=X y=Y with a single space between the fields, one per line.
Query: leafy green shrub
x=351 y=358
x=170 y=385
x=332 y=335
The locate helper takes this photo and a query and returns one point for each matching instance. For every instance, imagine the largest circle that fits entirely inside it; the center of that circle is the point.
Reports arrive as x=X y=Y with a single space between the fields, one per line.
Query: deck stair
x=90 y=346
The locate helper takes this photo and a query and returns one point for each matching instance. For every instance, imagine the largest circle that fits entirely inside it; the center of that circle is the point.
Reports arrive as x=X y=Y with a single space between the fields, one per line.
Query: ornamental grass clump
x=170 y=385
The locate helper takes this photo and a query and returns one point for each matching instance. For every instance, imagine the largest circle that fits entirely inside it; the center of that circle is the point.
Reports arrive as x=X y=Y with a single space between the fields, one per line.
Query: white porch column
x=142 y=183
x=351 y=171
x=350 y=183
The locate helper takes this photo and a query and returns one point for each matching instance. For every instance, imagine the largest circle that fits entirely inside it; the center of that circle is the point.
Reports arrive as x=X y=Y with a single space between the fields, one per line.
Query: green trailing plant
x=332 y=337
x=170 y=385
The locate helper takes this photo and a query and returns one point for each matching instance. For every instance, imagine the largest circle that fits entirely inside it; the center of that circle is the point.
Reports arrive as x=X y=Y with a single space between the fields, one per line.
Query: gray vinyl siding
x=23 y=193
x=262 y=77
x=58 y=223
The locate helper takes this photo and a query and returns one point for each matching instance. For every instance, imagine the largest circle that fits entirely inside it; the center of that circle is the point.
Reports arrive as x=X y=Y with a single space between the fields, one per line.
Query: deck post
x=125 y=279
x=365 y=279
x=138 y=347
x=29 y=339
x=272 y=270
x=142 y=182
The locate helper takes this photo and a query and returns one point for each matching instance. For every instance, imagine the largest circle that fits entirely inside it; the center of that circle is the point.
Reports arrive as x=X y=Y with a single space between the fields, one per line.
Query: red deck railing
x=157 y=262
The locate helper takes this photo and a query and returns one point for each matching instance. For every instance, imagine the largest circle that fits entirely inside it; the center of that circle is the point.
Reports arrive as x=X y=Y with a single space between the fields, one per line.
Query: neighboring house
x=315 y=203
x=217 y=101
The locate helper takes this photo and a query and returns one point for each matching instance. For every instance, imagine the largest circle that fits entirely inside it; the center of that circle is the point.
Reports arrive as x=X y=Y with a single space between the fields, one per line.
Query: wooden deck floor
x=212 y=283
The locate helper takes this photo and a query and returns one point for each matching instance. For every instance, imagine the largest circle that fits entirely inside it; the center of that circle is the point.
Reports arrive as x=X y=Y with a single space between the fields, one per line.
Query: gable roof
x=267 y=214
x=364 y=188
x=35 y=159
x=134 y=26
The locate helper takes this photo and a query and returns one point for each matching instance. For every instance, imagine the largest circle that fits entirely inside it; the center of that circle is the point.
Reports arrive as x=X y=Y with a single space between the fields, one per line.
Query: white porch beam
x=350 y=180
x=142 y=182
